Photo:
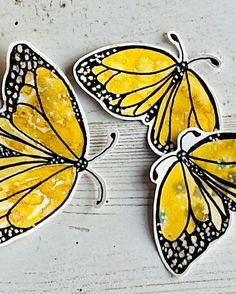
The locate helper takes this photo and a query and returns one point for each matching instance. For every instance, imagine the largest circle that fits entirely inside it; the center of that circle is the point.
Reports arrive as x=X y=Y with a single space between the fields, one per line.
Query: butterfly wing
x=215 y=157
x=125 y=79
x=129 y=81
x=42 y=137
x=31 y=191
x=188 y=104
x=41 y=105
x=193 y=199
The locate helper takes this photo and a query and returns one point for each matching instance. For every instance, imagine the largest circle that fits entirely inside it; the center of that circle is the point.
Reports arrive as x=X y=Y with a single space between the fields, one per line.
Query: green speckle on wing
x=224 y=164
x=162 y=216
x=221 y=163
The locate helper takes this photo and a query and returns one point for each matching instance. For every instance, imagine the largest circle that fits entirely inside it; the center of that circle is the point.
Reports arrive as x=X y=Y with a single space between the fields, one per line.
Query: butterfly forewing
x=37 y=92
x=216 y=158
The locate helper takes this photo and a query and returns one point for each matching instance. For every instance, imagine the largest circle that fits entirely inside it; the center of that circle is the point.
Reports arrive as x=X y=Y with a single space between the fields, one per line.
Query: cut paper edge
x=142 y=117
x=86 y=152
x=186 y=139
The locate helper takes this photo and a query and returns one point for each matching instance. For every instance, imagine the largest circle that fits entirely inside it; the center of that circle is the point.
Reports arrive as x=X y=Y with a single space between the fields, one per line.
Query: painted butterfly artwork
x=141 y=82
x=195 y=192
x=43 y=142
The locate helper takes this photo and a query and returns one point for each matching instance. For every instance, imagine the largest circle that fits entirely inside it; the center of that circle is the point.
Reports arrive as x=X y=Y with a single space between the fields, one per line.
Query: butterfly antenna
x=216 y=62
x=173 y=37
x=101 y=183
x=102 y=188
x=111 y=143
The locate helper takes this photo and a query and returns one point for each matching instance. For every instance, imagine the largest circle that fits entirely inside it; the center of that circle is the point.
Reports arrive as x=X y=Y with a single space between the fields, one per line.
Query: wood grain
x=111 y=250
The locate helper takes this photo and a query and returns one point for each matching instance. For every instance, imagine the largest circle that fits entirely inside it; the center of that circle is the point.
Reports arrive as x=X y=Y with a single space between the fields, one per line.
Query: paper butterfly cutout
x=195 y=192
x=141 y=82
x=43 y=142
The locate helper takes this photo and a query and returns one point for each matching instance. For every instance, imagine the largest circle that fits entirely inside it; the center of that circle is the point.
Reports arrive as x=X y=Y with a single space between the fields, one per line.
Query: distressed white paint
x=115 y=251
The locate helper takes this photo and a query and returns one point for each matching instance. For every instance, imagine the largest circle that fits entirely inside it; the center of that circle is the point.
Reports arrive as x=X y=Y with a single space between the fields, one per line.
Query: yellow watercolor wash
x=176 y=198
x=42 y=145
x=143 y=82
x=178 y=115
x=43 y=200
x=58 y=109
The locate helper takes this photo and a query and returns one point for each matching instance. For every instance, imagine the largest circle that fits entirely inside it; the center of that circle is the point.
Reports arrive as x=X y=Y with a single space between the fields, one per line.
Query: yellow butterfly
x=43 y=142
x=135 y=81
x=195 y=192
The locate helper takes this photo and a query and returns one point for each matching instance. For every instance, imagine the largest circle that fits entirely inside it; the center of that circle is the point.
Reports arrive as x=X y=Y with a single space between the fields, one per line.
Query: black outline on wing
x=16 y=78
x=203 y=239
x=169 y=143
x=209 y=94
x=93 y=61
x=4 y=133
x=155 y=141
x=18 y=66
x=104 y=97
x=28 y=190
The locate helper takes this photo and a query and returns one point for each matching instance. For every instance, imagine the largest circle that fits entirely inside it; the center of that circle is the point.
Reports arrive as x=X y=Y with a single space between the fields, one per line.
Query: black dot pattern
x=6 y=152
x=90 y=82
x=182 y=252
x=10 y=232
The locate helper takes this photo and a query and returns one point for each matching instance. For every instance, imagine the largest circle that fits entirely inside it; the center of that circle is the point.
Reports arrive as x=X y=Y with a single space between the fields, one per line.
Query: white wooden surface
x=111 y=250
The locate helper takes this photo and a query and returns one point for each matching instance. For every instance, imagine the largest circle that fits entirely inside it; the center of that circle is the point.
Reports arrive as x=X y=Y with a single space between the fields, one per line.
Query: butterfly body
x=147 y=83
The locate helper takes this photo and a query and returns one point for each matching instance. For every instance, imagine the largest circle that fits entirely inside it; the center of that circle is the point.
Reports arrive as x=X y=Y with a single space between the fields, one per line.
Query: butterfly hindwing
x=188 y=104
x=195 y=194
x=31 y=191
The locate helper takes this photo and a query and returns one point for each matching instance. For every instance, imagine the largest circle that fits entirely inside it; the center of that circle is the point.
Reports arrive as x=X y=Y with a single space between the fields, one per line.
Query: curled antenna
x=214 y=61
x=101 y=183
x=174 y=38
x=102 y=188
x=111 y=143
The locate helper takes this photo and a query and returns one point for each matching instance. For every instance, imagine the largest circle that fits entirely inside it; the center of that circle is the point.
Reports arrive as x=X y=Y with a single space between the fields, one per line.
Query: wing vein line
x=32 y=188
x=165 y=109
x=191 y=101
x=171 y=108
x=46 y=118
x=22 y=189
x=22 y=171
x=13 y=137
x=190 y=212
x=154 y=92
x=212 y=161
x=139 y=73
x=199 y=183
x=152 y=85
